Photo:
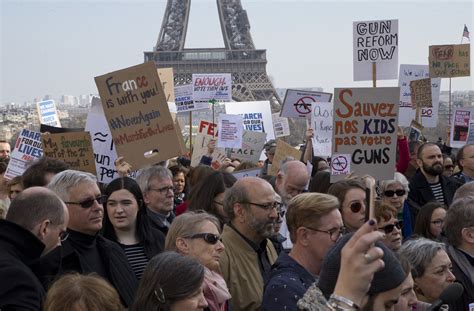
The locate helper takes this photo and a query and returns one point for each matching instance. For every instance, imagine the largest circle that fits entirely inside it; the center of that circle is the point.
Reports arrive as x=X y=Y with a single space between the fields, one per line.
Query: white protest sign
x=47 y=113
x=280 y=125
x=27 y=148
x=209 y=86
x=102 y=143
x=253 y=172
x=230 y=131
x=341 y=164
x=321 y=123
x=184 y=99
x=429 y=116
x=297 y=104
x=252 y=146
x=375 y=41
x=205 y=141
x=462 y=119
x=257 y=116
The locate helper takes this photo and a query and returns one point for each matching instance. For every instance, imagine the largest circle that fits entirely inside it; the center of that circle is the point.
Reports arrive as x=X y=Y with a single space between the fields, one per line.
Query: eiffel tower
x=250 y=81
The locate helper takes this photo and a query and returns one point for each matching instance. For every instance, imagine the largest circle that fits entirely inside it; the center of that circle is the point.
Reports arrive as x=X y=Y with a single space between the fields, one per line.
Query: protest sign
x=75 y=149
x=297 y=104
x=470 y=137
x=460 y=126
x=52 y=129
x=375 y=42
x=365 y=132
x=204 y=142
x=104 y=148
x=167 y=82
x=449 y=61
x=280 y=125
x=283 y=150
x=184 y=99
x=27 y=148
x=230 y=131
x=47 y=113
x=252 y=146
x=208 y=86
x=421 y=93
x=257 y=116
x=138 y=115
x=415 y=131
x=429 y=116
x=253 y=172
x=321 y=123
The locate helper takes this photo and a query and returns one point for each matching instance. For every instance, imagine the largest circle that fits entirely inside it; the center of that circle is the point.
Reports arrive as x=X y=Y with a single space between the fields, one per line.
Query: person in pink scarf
x=197 y=234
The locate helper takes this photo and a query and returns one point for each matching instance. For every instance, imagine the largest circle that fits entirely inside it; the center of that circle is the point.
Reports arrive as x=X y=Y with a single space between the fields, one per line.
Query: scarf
x=215 y=291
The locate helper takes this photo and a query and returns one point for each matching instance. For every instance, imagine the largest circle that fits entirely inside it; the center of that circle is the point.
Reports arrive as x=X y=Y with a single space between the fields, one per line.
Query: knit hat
x=390 y=277
x=270 y=146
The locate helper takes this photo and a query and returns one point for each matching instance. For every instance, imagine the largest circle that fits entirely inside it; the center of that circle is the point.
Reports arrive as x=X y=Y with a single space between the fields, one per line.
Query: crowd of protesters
x=197 y=238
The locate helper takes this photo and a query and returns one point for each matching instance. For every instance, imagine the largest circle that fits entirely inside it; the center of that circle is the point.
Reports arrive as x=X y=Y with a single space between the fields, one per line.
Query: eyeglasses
x=89 y=202
x=355 y=207
x=267 y=206
x=391 y=193
x=334 y=234
x=438 y=222
x=163 y=190
x=208 y=237
x=63 y=236
x=389 y=228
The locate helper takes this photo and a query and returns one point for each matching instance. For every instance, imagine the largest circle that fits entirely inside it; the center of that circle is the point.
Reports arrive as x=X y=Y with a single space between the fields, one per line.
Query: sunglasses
x=208 y=237
x=389 y=228
x=89 y=202
x=391 y=193
x=355 y=207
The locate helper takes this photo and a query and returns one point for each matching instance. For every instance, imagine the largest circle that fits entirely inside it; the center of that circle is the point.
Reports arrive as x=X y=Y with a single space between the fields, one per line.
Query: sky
x=58 y=47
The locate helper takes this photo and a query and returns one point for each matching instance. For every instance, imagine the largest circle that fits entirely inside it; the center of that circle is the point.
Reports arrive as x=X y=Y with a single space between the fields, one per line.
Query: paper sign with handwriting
x=208 y=86
x=421 y=93
x=297 y=104
x=448 y=61
x=252 y=146
x=321 y=123
x=204 y=142
x=27 y=148
x=138 y=115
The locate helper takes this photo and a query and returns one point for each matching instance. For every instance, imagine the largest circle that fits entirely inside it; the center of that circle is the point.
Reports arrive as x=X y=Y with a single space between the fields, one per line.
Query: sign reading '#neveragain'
x=375 y=41
x=47 y=113
x=448 y=61
x=297 y=104
x=138 y=115
x=365 y=128
x=27 y=148
x=429 y=116
x=208 y=86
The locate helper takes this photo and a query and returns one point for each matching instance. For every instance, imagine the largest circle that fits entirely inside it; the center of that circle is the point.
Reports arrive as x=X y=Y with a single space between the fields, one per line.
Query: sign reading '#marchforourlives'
x=138 y=115
x=448 y=61
x=365 y=132
x=375 y=41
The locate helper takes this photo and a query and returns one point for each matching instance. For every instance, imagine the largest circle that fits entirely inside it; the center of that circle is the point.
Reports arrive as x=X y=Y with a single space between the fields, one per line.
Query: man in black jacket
x=428 y=184
x=35 y=224
x=86 y=251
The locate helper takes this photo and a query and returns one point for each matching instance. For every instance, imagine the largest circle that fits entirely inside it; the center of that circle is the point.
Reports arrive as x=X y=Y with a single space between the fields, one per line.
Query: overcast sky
x=58 y=47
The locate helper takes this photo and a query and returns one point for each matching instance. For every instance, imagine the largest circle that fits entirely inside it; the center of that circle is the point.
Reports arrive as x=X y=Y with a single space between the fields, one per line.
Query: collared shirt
x=163 y=220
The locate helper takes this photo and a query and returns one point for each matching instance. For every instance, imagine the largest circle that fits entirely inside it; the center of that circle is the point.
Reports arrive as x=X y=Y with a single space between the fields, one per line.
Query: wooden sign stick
x=374 y=74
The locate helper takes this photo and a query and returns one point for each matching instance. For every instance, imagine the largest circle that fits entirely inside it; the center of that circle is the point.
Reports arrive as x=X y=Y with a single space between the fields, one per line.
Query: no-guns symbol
x=303 y=105
x=339 y=164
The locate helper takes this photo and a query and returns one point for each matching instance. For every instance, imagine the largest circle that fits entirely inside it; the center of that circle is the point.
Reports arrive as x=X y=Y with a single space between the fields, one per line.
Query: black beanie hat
x=390 y=277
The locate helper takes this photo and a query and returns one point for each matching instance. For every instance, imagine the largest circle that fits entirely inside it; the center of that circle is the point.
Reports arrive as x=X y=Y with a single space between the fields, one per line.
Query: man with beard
x=248 y=256
x=428 y=184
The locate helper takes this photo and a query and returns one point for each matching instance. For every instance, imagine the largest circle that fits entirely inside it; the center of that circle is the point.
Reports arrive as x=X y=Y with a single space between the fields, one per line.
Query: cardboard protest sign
x=208 y=86
x=448 y=61
x=47 y=113
x=252 y=146
x=283 y=150
x=205 y=140
x=230 y=131
x=321 y=123
x=102 y=142
x=75 y=149
x=167 y=82
x=297 y=104
x=460 y=126
x=253 y=172
x=137 y=114
x=257 y=116
x=429 y=116
x=280 y=125
x=365 y=132
x=27 y=148
x=375 y=41
x=421 y=93
x=184 y=99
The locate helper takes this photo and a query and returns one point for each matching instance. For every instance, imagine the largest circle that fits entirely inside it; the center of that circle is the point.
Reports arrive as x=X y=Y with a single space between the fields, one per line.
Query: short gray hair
x=398 y=178
x=65 y=180
x=465 y=190
x=235 y=194
x=460 y=215
x=420 y=252
x=147 y=174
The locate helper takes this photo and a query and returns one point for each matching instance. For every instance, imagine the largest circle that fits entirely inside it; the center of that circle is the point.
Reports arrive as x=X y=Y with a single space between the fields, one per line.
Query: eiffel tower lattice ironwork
x=250 y=81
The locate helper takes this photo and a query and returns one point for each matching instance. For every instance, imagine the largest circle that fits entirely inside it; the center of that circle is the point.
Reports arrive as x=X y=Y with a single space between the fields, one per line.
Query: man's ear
x=467 y=235
x=182 y=246
x=146 y=198
x=302 y=236
x=239 y=212
x=419 y=162
x=41 y=229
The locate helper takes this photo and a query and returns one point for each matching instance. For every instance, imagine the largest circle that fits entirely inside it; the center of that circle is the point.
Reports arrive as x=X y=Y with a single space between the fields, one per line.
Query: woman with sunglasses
x=388 y=223
x=126 y=222
x=429 y=221
x=448 y=164
x=351 y=194
x=197 y=234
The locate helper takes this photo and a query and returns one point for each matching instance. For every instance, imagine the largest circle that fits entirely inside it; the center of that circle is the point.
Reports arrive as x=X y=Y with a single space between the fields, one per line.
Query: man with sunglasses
x=248 y=256
x=86 y=251
x=35 y=224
